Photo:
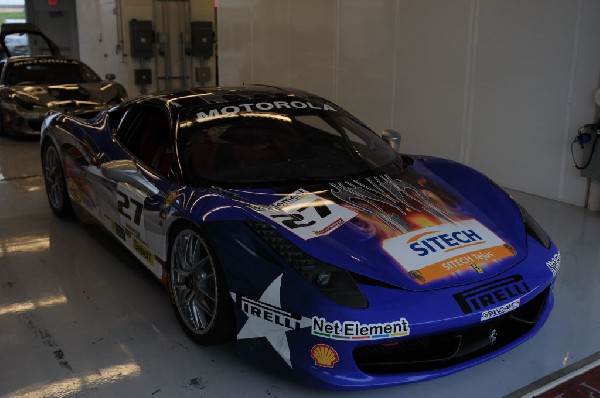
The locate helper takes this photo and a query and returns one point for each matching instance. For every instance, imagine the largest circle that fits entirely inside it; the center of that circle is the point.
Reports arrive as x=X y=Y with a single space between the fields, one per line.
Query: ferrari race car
x=32 y=86
x=278 y=219
x=42 y=81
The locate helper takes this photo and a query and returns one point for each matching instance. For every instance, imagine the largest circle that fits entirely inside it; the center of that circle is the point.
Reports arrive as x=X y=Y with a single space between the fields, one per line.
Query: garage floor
x=80 y=317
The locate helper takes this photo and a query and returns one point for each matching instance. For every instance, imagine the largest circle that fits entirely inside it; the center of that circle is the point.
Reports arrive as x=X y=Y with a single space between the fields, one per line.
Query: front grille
x=65 y=95
x=446 y=349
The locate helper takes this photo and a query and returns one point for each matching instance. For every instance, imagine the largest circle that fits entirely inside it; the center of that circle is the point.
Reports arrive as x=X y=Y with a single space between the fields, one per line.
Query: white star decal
x=274 y=332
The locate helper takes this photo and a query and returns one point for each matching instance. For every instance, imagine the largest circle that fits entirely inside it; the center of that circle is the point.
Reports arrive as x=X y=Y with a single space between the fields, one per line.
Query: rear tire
x=198 y=289
x=54 y=178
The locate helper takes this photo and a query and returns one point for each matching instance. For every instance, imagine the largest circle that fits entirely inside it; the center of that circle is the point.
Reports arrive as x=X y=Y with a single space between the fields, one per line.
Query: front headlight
x=533 y=228
x=335 y=283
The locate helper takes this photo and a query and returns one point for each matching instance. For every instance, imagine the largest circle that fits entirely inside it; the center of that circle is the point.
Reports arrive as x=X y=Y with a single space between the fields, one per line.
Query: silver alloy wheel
x=54 y=177
x=193 y=281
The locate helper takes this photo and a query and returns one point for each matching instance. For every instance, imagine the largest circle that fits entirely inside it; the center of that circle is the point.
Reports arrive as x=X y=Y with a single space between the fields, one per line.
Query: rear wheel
x=198 y=289
x=54 y=178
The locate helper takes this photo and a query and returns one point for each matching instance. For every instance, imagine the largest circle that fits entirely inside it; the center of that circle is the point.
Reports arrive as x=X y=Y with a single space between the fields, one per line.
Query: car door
x=135 y=186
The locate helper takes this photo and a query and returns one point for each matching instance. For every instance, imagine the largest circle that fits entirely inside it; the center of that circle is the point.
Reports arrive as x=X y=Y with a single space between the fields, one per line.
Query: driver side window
x=144 y=131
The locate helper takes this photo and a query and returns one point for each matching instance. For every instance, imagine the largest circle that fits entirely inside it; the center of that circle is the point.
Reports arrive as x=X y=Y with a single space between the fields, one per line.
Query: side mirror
x=392 y=137
x=126 y=171
x=110 y=76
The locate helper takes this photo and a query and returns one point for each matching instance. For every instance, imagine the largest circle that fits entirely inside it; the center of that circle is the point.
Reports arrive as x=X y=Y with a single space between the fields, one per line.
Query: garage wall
x=57 y=21
x=99 y=45
x=501 y=85
x=105 y=41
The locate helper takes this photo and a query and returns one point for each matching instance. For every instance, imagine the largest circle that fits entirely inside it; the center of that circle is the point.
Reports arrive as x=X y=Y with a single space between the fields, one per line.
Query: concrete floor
x=80 y=317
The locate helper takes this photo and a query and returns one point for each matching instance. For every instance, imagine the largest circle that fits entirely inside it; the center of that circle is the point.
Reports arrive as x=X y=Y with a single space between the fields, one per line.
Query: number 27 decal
x=295 y=220
x=124 y=204
x=307 y=215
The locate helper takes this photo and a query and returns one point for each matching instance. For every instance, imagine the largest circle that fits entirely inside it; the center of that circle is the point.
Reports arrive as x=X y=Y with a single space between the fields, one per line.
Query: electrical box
x=142 y=76
x=202 y=39
x=202 y=74
x=140 y=35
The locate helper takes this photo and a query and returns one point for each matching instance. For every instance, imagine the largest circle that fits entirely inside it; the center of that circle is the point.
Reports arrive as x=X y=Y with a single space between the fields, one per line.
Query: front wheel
x=198 y=289
x=54 y=178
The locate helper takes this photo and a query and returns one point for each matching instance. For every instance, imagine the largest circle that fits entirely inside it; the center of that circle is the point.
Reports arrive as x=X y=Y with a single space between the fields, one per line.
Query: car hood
x=68 y=96
x=429 y=225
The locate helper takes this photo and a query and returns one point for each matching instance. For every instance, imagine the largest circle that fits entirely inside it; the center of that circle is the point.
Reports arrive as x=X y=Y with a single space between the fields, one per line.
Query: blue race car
x=278 y=219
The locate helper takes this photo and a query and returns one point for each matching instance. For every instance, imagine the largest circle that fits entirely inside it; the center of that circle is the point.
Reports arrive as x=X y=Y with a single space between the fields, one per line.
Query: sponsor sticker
x=143 y=251
x=79 y=193
x=353 y=330
x=269 y=313
x=307 y=214
x=267 y=320
x=170 y=198
x=261 y=106
x=477 y=268
x=74 y=190
x=492 y=294
x=554 y=264
x=440 y=250
x=503 y=309
x=324 y=355
x=118 y=230
x=45 y=61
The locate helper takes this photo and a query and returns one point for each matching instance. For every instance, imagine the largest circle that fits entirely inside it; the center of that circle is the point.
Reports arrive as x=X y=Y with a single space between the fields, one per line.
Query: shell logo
x=324 y=355
x=170 y=198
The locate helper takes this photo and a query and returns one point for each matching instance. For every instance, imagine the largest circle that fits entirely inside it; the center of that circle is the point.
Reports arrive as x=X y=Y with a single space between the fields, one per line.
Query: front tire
x=54 y=178
x=198 y=289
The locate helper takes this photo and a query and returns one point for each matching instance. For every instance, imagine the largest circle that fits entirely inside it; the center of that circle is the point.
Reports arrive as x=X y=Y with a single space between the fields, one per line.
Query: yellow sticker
x=143 y=251
x=74 y=190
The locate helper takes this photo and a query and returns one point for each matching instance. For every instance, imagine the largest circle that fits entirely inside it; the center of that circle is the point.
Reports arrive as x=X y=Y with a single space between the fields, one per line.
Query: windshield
x=257 y=147
x=49 y=71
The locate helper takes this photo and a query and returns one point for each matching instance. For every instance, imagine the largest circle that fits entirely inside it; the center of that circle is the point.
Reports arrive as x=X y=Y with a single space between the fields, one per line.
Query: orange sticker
x=438 y=251
x=453 y=264
x=324 y=355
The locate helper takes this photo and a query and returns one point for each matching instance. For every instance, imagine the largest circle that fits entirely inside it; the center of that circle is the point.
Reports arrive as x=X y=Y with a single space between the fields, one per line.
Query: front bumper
x=433 y=349
x=404 y=336
x=28 y=123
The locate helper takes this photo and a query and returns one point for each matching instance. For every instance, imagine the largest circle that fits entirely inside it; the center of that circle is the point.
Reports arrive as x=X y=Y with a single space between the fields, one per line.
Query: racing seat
x=202 y=154
x=154 y=147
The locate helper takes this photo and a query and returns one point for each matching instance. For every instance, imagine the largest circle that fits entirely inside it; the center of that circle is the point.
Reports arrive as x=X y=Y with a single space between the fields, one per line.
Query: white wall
x=58 y=22
x=501 y=85
x=98 y=43
x=104 y=41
